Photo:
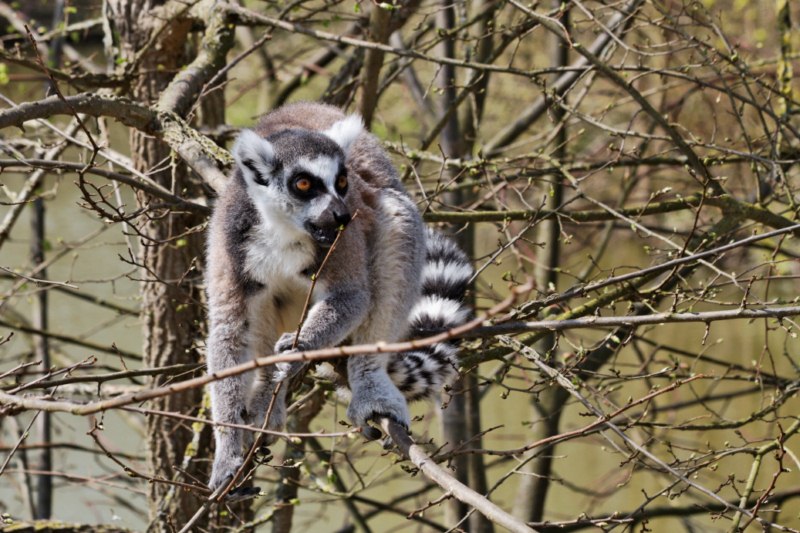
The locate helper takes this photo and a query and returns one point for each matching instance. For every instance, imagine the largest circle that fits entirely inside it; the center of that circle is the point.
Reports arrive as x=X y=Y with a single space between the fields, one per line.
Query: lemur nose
x=341 y=218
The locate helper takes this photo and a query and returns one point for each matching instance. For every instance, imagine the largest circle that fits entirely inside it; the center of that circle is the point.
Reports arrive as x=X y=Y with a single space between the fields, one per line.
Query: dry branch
x=199 y=152
x=67 y=166
x=55 y=526
x=445 y=480
x=706 y=317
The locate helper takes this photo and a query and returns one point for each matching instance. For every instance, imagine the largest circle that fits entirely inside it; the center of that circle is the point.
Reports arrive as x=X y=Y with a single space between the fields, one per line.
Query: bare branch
x=199 y=152
x=445 y=480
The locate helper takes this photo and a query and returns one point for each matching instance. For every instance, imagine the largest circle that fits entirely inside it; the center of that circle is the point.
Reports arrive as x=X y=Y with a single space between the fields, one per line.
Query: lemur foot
x=221 y=474
x=242 y=493
x=376 y=397
x=263 y=455
x=223 y=470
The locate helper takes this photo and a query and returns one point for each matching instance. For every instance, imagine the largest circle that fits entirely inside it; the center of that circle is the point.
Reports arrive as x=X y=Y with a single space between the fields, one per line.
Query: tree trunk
x=170 y=249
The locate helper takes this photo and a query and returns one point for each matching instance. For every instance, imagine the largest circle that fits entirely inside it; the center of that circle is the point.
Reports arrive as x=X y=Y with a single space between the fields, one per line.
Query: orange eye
x=341 y=181
x=303 y=184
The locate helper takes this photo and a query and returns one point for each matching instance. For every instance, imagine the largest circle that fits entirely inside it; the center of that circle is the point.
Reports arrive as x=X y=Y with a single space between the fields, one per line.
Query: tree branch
x=451 y=485
x=198 y=151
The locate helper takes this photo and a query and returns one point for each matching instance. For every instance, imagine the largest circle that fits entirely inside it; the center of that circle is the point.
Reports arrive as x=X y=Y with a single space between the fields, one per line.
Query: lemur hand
x=286 y=343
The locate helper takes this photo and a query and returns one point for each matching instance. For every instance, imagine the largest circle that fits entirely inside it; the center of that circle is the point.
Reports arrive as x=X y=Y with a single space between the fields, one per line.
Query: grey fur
x=266 y=236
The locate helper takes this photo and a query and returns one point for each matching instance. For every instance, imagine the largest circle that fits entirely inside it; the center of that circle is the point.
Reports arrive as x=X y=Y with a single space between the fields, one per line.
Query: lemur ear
x=346 y=131
x=255 y=156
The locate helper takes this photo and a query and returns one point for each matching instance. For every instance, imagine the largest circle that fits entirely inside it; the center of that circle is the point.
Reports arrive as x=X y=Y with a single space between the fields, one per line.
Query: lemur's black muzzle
x=342 y=218
x=333 y=214
x=324 y=236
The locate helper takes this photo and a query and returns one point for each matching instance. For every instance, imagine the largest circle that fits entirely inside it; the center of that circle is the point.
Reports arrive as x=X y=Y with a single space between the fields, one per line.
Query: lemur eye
x=303 y=184
x=341 y=181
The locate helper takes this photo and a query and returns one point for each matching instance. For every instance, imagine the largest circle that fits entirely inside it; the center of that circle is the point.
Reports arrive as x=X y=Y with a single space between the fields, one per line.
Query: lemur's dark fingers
x=263 y=455
x=371 y=433
x=264 y=451
x=388 y=442
x=242 y=493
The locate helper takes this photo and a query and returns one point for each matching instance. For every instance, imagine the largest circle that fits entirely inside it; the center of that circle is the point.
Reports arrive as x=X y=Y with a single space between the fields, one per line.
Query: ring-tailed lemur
x=302 y=174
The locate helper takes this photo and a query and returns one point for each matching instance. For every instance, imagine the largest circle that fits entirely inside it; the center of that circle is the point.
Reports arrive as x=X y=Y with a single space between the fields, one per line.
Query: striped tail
x=422 y=373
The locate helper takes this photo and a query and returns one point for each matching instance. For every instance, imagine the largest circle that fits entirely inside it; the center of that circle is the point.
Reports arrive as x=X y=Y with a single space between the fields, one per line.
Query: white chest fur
x=277 y=255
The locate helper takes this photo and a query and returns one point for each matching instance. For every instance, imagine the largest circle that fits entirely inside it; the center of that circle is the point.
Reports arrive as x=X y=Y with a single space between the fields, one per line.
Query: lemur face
x=298 y=178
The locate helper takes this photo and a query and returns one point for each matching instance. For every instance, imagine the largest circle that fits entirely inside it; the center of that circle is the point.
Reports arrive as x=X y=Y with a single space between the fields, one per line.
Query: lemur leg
x=374 y=396
x=330 y=321
x=396 y=274
x=268 y=396
x=261 y=337
x=227 y=347
x=269 y=315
